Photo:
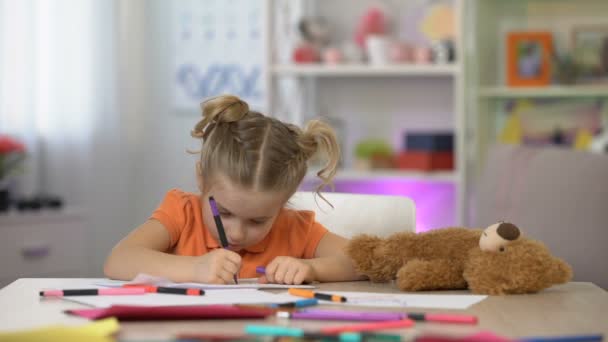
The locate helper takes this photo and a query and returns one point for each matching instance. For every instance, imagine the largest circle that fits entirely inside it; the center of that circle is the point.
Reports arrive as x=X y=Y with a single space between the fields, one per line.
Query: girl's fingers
x=225 y=276
x=300 y=276
x=230 y=267
x=279 y=274
x=290 y=273
x=233 y=257
x=271 y=269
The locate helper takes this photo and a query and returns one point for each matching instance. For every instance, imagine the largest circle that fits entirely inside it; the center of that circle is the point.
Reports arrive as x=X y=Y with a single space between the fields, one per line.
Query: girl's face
x=247 y=215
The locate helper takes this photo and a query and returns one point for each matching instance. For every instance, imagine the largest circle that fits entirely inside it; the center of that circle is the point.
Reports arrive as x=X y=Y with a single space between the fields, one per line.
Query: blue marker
x=273 y=330
x=573 y=338
x=297 y=304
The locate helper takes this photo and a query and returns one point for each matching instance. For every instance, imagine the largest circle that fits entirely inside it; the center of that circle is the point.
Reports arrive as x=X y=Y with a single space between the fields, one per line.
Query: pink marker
x=94 y=292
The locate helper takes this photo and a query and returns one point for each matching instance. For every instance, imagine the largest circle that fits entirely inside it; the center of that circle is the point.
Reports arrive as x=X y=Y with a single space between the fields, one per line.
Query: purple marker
x=260 y=270
x=220 y=227
x=318 y=314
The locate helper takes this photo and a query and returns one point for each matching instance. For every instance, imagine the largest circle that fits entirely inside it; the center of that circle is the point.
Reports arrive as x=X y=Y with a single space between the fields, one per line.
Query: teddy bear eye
x=502 y=248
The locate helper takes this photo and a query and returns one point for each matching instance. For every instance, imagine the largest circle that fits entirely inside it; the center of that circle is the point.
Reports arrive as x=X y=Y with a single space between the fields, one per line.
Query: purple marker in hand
x=220 y=227
x=260 y=270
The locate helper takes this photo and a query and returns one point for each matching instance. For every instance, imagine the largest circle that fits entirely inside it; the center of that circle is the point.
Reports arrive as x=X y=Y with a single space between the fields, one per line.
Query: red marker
x=94 y=292
x=403 y=323
x=443 y=318
x=167 y=290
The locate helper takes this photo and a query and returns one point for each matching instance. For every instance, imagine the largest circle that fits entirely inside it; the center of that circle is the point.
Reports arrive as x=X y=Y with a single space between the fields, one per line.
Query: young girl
x=251 y=164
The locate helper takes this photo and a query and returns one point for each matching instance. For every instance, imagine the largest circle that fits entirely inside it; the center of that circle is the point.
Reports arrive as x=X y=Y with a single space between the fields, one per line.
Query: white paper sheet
x=234 y=296
x=429 y=301
x=244 y=283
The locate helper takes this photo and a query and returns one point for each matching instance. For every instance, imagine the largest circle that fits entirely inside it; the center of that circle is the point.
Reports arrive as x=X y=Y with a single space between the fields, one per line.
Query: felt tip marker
x=168 y=290
x=404 y=323
x=281 y=331
x=93 y=292
x=571 y=338
x=260 y=270
x=310 y=294
x=220 y=227
x=297 y=304
x=375 y=316
x=339 y=315
x=442 y=318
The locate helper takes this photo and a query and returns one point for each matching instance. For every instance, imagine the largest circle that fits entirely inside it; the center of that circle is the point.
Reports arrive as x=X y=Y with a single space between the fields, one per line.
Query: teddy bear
x=496 y=261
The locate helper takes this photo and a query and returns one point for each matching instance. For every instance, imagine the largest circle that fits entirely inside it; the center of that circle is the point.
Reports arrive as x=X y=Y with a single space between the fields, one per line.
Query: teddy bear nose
x=508 y=231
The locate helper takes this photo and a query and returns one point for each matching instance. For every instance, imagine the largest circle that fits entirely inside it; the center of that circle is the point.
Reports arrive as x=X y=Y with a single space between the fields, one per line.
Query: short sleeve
x=173 y=213
x=316 y=231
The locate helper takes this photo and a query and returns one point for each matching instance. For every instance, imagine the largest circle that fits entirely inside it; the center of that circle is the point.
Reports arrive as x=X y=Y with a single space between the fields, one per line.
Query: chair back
x=354 y=214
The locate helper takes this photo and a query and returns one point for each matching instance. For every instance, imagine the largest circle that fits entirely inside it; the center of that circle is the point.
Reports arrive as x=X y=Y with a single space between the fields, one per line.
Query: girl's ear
x=199 y=176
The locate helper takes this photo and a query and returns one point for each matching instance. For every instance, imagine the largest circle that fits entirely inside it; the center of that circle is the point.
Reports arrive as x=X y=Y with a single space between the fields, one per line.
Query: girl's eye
x=255 y=222
x=225 y=214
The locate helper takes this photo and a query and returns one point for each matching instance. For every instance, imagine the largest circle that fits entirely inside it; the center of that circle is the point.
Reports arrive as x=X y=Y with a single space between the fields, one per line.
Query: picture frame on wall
x=529 y=56
x=589 y=45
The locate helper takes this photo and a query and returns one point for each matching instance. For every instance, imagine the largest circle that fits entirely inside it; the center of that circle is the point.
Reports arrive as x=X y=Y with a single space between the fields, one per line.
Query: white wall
x=161 y=161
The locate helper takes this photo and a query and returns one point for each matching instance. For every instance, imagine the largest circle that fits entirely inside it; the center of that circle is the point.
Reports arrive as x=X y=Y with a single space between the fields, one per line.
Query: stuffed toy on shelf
x=495 y=261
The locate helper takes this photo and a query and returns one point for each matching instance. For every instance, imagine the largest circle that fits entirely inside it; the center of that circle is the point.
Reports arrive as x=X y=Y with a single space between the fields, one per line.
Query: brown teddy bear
x=496 y=261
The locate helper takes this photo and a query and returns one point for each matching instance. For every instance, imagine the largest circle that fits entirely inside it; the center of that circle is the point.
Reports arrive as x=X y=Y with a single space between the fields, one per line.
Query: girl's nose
x=236 y=233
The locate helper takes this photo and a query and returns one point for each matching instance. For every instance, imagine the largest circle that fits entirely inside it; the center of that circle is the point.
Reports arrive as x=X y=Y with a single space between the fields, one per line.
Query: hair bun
x=224 y=108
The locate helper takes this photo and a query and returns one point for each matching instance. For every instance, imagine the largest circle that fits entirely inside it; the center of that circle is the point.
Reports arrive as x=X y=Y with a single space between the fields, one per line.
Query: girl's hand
x=288 y=270
x=217 y=267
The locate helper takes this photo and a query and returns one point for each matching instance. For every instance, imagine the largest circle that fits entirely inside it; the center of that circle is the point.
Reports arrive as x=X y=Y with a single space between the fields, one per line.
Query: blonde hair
x=259 y=152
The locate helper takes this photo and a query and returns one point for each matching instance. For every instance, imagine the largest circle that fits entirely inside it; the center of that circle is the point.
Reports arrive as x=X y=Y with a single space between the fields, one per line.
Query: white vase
x=378 y=49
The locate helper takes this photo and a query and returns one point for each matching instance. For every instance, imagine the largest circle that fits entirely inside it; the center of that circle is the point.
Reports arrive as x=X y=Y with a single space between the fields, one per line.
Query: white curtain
x=67 y=73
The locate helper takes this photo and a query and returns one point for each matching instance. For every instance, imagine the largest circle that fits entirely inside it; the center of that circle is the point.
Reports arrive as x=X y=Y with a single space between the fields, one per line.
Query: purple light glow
x=435 y=201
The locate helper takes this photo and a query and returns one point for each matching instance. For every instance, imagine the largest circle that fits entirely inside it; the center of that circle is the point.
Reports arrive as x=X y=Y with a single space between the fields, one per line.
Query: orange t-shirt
x=294 y=233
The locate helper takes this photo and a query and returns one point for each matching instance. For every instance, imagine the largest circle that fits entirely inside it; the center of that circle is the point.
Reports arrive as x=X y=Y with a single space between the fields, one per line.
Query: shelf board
x=350 y=174
x=545 y=92
x=346 y=70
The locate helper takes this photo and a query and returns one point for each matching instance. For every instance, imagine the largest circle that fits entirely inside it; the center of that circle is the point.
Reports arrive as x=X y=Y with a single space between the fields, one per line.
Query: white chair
x=354 y=214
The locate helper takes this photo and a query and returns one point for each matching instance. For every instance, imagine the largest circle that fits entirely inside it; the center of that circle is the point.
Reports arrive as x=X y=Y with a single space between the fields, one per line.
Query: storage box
x=432 y=142
x=426 y=161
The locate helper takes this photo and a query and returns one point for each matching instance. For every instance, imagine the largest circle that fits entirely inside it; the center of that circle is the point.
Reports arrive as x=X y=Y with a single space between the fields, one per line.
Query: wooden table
x=573 y=308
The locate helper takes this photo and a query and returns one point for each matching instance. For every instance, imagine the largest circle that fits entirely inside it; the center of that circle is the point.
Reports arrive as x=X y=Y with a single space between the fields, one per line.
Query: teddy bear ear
x=562 y=272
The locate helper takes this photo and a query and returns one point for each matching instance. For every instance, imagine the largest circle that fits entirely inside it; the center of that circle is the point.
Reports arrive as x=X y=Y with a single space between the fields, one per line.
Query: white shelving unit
x=576 y=91
x=440 y=176
x=359 y=70
x=300 y=92
x=484 y=73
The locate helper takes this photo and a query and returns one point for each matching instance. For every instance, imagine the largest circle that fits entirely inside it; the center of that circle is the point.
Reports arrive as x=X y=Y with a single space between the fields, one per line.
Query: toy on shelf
x=401 y=52
x=373 y=22
x=427 y=152
x=373 y=154
x=305 y=53
x=494 y=261
x=332 y=56
x=545 y=122
x=315 y=37
x=315 y=30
